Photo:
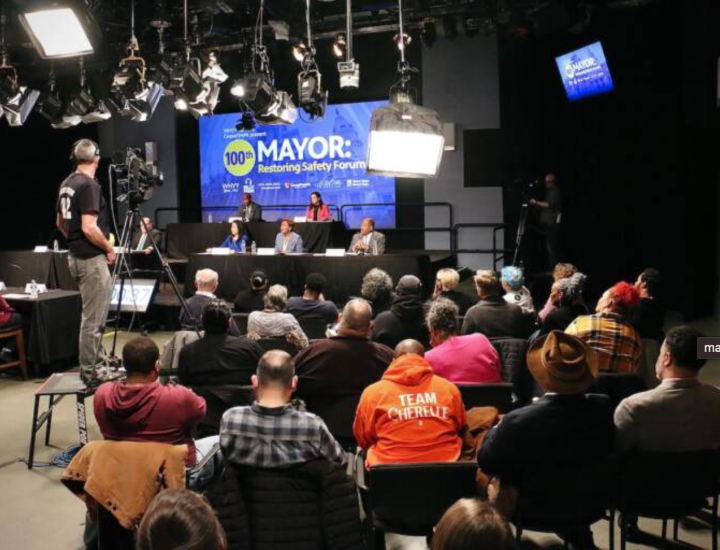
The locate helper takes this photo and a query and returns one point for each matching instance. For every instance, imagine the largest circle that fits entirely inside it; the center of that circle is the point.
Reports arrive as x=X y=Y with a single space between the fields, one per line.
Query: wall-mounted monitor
x=585 y=72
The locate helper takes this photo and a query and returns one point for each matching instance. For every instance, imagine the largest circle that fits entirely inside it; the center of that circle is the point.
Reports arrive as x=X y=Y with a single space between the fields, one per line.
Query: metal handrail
x=494 y=250
x=332 y=207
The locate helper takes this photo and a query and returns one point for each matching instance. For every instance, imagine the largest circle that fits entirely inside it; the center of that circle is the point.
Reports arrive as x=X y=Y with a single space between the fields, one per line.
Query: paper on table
x=16 y=296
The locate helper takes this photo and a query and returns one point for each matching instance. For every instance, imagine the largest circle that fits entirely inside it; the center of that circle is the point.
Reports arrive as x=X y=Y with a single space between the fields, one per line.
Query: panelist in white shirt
x=368 y=241
x=287 y=241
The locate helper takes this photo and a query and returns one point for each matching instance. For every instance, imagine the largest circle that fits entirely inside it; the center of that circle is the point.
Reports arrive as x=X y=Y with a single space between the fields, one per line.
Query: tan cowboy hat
x=562 y=364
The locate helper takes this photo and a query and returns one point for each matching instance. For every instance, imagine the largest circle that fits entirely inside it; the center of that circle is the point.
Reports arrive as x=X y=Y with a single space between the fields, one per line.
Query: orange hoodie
x=410 y=415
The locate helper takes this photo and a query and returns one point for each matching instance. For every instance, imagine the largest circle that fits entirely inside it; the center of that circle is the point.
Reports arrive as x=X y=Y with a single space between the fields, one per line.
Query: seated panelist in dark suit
x=142 y=241
x=368 y=241
x=249 y=211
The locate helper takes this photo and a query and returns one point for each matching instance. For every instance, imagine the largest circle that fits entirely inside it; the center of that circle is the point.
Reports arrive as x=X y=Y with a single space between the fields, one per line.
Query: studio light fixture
x=406 y=140
x=256 y=92
x=299 y=51
x=196 y=90
x=16 y=101
x=311 y=96
x=51 y=106
x=131 y=94
x=60 y=29
x=82 y=105
x=349 y=70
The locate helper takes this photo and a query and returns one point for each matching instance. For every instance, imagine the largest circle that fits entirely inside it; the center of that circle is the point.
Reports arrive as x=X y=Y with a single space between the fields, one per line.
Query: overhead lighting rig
x=256 y=92
x=16 y=101
x=311 y=96
x=348 y=69
x=131 y=94
x=406 y=140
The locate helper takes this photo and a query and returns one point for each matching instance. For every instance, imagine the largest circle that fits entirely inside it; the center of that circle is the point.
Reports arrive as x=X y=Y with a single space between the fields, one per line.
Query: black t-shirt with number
x=80 y=194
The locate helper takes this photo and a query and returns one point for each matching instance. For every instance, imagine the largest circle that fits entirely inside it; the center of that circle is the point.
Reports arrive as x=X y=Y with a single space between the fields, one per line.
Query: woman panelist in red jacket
x=318 y=211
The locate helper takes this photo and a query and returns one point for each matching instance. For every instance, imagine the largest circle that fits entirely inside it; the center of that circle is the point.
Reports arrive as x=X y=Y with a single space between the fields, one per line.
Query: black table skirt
x=52 y=324
x=184 y=239
x=19 y=267
x=344 y=275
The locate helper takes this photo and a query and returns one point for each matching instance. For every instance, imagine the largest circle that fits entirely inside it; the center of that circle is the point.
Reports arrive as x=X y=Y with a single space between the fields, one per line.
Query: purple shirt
x=470 y=359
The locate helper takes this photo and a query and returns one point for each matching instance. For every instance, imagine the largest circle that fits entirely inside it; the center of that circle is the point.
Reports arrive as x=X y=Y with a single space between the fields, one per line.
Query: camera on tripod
x=136 y=174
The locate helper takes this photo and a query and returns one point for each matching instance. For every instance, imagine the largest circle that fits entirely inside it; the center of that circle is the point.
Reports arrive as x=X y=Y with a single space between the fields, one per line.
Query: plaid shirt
x=617 y=344
x=278 y=437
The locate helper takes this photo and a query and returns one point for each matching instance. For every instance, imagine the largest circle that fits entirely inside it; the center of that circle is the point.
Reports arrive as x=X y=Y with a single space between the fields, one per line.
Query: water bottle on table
x=253 y=248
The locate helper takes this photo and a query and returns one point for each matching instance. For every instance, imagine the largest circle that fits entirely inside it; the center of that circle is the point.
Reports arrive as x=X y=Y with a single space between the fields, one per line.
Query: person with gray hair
x=377 y=288
x=82 y=218
x=566 y=297
x=469 y=359
x=206 y=283
x=334 y=372
x=406 y=318
x=271 y=322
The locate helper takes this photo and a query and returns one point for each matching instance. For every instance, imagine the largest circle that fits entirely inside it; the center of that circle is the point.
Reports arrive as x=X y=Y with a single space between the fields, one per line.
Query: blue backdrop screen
x=282 y=165
x=585 y=72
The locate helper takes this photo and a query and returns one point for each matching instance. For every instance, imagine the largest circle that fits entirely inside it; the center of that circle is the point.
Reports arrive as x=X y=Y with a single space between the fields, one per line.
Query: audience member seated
x=516 y=293
x=410 y=415
x=142 y=241
x=341 y=367
x=180 y=520
x=377 y=289
x=681 y=414
x=561 y=271
x=492 y=315
x=291 y=470
x=566 y=298
x=218 y=357
x=648 y=316
x=287 y=241
x=142 y=409
x=9 y=319
x=617 y=343
x=469 y=359
x=471 y=524
x=272 y=433
x=446 y=282
x=206 y=283
x=312 y=303
x=252 y=299
x=271 y=322
x=406 y=318
x=564 y=428
x=237 y=239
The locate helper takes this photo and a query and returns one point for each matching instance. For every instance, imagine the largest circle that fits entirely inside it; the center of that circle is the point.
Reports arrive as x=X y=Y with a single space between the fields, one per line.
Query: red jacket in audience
x=411 y=415
x=149 y=412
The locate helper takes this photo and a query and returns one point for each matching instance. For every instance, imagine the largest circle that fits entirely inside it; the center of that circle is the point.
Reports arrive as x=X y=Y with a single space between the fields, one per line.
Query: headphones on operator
x=74 y=154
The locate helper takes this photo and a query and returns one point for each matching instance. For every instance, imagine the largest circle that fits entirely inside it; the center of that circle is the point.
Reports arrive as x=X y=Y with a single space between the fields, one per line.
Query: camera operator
x=82 y=218
x=550 y=213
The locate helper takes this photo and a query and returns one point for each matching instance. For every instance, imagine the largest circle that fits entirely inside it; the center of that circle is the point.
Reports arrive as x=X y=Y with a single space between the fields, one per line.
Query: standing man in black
x=550 y=214
x=249 y=210
x=82 y=217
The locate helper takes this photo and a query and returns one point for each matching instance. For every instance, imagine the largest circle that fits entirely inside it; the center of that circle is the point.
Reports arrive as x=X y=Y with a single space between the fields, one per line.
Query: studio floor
x=37 y=512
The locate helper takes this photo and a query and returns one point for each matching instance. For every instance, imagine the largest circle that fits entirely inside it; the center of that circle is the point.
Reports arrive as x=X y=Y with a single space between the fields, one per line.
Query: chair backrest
x=410 y=499
x=219 y=399
x=241 y=320
x=338 y=413
x=280 y=343
x=313 y=327
x=576 y=495
x=655 y=484
x=487 y=395
x=512 y=356
x=618 y=386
